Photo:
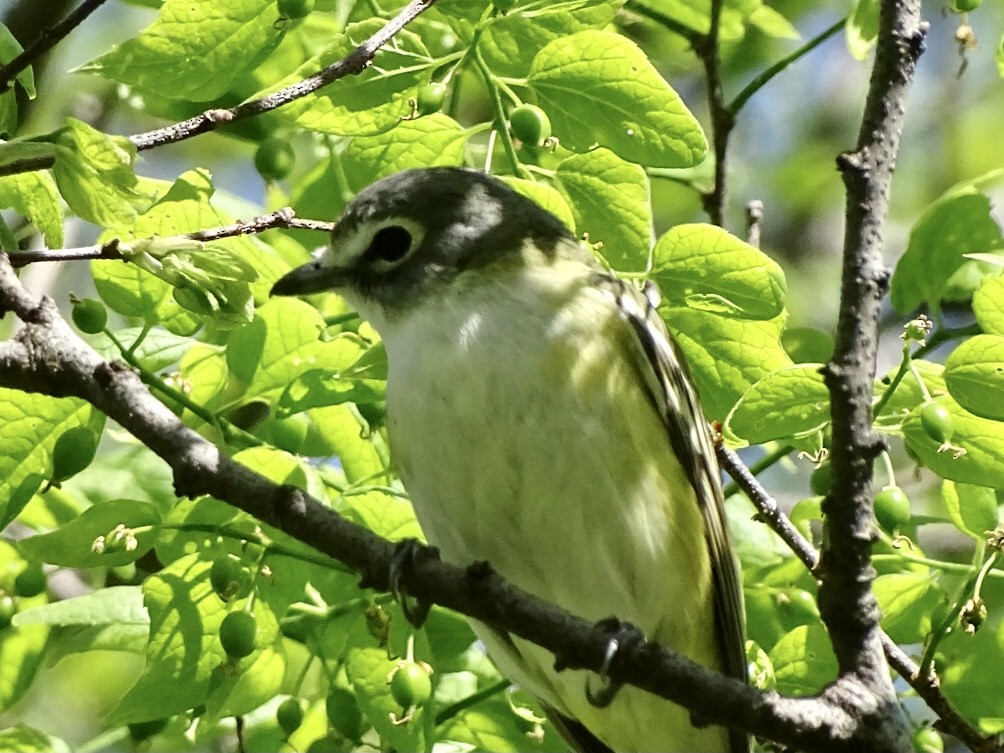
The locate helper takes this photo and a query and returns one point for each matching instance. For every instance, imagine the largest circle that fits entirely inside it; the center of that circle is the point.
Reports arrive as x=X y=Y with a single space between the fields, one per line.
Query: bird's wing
x=669 y=386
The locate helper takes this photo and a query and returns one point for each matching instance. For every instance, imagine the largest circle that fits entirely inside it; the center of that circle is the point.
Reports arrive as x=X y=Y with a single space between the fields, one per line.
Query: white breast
x=524 y=437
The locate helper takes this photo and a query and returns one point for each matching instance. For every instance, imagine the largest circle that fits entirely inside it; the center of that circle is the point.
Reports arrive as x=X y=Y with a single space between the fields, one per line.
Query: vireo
x=541 y=419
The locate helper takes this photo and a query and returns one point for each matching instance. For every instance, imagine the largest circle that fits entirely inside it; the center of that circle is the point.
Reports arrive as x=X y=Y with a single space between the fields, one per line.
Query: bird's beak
x=310 y=278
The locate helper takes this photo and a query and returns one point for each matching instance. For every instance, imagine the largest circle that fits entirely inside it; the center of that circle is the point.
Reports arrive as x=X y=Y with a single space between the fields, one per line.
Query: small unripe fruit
x=238 y=632
x=410 y=685
x=530 y=124
x=89 y=315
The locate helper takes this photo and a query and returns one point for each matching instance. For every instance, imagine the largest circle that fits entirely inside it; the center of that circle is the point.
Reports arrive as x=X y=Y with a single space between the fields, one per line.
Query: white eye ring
x=359 y=250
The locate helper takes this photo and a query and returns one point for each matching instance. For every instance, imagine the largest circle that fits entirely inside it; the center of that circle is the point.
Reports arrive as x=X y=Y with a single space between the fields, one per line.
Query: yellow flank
x=525 y=438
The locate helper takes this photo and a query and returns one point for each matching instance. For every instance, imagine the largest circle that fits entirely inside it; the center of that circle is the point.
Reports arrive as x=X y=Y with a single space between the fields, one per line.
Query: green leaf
x=547 y=197
x=972 y=509
x=363 y=382
x=956 y=224
x=726 y=356
x=195 y=49
x=709 y=269
x=600 y=88
x=803 y=661
x=981 y=438
x=988 y=305
x=369 y=668
x=281 y=343
x=95 y=175
x=158 y=349
x=974 y=373
x=367 y=103
x=807 y=344
x=32 y=424
x=426 y=142
x=969 y=666
x=339 y=431
x=75 y=544
x=862 y=28
x=20 y=647
x=791 y=403
x=510 y=40
x=612 y=203
x=22 y=739
x=185 y=660
x=773 y=24
x=226 y=269
x=35 y=196
x=384 y=514
x=907 y=601
x=114 y=605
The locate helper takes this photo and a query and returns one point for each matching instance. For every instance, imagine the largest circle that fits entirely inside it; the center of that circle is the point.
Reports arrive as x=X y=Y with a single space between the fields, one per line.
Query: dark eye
x=389 y=244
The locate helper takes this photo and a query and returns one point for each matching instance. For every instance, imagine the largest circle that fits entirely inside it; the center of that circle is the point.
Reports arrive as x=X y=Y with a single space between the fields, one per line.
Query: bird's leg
x=620 y=635
x=406 y=554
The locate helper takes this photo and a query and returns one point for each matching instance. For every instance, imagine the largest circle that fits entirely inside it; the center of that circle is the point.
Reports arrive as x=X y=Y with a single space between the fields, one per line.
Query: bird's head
x=413 y=234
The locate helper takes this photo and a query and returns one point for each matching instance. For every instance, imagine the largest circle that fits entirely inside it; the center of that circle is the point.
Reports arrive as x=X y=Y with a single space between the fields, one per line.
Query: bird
x=542 y=420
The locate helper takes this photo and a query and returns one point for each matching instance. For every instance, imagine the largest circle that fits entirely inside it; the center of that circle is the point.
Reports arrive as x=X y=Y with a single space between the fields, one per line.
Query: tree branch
x=283 y=218
x=355 y=62
x=47 y=357
x=927 y=688
x=45 y=41
x=847 y=605
x=707 y=48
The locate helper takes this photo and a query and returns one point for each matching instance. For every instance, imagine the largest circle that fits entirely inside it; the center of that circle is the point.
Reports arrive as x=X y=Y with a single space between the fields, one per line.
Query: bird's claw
x=406 y=554
x=620 y=635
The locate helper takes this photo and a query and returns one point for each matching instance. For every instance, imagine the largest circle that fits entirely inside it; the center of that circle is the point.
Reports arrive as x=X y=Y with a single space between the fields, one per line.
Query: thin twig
x=45 y=41
x=754 y=220
x=722 y=120
x=928 y=687
x=355 y=62
x=281 y=218
x=761 y=80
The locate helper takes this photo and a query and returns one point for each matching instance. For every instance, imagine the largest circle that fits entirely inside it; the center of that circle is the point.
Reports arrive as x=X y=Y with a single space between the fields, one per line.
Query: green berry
x=344 y=714
x=530 y=124
x=238 y=632
x=290 y=433
x=274 y=159
x=295 y=9
x=90 y=315
x=928 y=740
x=73 y=451
x=8 y=608
x=141 y=731
x=30 y=581
x=289 y=715
x=228 y=578
x=937 y=422
x=410 y=685
x=892 y=508
x=821 y=479
x=965 y=6
x=430 y=98
x=796 y=607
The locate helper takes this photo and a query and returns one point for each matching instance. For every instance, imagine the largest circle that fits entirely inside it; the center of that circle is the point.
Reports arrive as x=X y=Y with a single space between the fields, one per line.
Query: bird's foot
x=620 y=636
x=406 y=553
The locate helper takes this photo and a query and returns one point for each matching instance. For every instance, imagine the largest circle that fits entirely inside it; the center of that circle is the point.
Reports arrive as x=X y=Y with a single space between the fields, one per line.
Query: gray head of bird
x=417 y=232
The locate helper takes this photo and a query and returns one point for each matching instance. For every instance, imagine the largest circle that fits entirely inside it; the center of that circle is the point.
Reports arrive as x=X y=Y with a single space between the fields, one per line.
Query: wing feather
x=675 y=398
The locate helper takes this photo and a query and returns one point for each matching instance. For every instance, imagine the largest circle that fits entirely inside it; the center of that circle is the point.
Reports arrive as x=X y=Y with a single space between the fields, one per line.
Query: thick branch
x=927 y=688
x=846 y=602
x=47 y=357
